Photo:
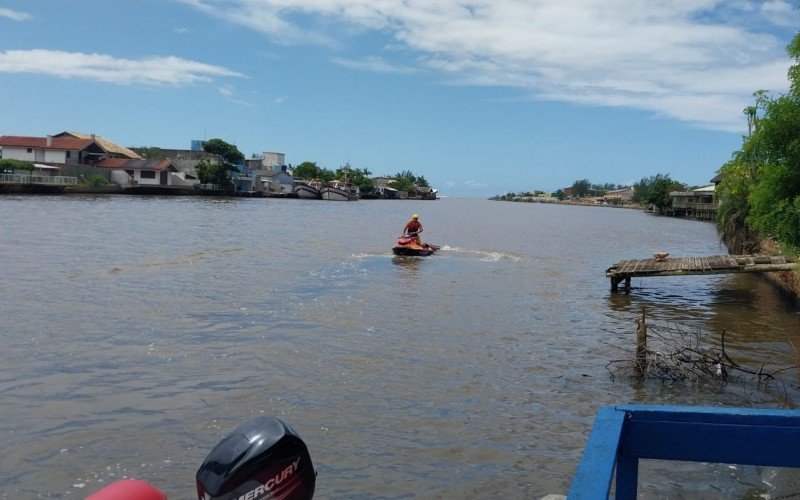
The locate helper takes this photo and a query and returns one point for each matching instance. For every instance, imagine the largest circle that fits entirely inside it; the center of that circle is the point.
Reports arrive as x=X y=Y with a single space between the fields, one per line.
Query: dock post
x=641 y=343
x=628 y=283
x=615 y=283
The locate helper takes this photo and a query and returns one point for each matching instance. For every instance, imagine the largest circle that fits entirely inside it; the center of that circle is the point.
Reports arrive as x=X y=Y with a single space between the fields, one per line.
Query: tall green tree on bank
x=407 y=181
x=229 y=157
x=307 y=170
x=580 y=188
x=654 y=191
x=766 y=170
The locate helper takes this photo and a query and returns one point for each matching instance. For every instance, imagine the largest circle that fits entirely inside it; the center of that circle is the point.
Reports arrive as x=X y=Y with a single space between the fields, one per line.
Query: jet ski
x=407 y=245
x=263 y=458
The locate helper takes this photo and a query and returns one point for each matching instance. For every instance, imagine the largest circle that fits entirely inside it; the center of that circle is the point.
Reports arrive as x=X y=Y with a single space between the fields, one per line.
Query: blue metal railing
x=624 y=434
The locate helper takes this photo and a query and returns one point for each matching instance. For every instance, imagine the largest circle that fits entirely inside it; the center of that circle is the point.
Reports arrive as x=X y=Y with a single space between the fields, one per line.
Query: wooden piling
x=641 y=343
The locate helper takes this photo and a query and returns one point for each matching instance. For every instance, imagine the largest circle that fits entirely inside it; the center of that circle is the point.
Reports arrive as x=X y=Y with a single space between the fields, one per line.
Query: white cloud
x=475 y=184
x=279 y=100
x=229 y=93
x=180 y=31
x=15 y=15
x=692 y=60
x=155 y=71
x=372 y=64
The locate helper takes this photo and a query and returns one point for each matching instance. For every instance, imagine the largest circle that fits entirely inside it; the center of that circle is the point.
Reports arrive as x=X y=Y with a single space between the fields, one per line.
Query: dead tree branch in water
x=671 y=354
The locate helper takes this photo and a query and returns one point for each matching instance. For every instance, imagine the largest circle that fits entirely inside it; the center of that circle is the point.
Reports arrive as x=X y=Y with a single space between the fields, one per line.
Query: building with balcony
x=695 y=204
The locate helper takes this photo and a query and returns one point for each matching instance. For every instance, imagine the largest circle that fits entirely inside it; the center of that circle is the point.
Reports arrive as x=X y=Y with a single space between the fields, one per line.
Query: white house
x=127 y=172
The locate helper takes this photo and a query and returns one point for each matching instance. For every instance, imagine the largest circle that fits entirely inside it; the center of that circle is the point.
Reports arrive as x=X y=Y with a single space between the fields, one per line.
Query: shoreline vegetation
x=756 y=193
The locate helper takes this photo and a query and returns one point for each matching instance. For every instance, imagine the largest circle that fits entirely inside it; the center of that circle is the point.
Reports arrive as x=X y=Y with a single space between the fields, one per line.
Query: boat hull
x=307 y=192
x=336 y=194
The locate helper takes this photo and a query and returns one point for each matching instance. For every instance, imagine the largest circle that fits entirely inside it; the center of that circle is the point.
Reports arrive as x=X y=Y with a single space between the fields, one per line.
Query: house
x=275 y=182
x=185 y=160
x=131 y=173
x=66 y=148
x=113 y=149
x=624 y=195
x=52 y=150
x=265 y=175
x=695 y=204
x=426 y=193
x=380 y=187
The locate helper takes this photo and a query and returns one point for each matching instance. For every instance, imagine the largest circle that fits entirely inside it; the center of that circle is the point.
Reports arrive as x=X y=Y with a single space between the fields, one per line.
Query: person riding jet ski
x=413 y=226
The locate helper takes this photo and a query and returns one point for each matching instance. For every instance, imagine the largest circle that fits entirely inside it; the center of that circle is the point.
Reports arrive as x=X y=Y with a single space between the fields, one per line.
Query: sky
x=481 y=97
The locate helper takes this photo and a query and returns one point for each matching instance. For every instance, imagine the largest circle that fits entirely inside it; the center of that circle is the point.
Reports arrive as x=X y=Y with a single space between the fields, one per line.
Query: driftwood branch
x=671 y=354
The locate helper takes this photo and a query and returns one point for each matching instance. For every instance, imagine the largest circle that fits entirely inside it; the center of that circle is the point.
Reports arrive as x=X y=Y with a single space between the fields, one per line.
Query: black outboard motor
x=264 y=458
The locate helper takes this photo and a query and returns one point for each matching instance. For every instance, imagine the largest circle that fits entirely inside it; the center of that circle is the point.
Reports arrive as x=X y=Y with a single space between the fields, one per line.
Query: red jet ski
x=407 y=245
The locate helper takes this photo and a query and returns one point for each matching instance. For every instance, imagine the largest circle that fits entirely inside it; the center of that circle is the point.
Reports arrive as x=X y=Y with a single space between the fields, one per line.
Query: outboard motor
x=264 y=458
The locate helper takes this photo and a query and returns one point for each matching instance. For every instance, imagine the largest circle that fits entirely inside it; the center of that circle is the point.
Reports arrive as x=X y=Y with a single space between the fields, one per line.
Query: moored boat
x=307 y=191
x=338 y=191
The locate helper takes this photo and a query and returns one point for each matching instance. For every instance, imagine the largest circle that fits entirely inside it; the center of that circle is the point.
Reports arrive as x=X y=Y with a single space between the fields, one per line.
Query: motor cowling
x=264 y=458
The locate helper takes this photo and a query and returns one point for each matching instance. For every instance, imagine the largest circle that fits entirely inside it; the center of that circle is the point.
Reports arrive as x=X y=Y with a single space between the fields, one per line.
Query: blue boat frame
x=624 y=434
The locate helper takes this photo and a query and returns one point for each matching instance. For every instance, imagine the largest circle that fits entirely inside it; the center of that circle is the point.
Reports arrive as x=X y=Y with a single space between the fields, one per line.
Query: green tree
x=654 y=191
x=228 y=154
x=307 y=170
x=14 y=165
x=580 y=188
x=229 y=158
x=404 y=181
x=559 y=194
x=766 y=170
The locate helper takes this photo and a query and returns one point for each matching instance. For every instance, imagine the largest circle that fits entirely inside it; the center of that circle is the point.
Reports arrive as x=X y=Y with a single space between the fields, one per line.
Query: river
x=136 y=332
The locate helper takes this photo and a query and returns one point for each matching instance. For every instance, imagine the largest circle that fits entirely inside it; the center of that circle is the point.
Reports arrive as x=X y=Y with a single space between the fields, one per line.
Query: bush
x=98 y=180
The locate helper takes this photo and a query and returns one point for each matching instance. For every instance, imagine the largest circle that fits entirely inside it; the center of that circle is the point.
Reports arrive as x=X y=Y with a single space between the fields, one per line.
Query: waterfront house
x=698 y=203
x=112 y=149
x=265 y=175
x=380 y=187
x=66 y=148
x=276 y=181
x=426 y=193
x=624 y=195
x=185 y=160
x=130 y=173
x=51 y=150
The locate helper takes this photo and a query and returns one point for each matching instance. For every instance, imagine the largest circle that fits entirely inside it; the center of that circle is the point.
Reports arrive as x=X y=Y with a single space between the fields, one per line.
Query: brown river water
x=135 y=332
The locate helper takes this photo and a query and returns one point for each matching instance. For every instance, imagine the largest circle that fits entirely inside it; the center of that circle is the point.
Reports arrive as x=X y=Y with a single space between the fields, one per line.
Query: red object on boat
x=128 y=489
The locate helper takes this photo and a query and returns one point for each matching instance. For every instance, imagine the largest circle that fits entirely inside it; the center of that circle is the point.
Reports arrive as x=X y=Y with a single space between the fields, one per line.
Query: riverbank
x=578 y=202
x=788 y=282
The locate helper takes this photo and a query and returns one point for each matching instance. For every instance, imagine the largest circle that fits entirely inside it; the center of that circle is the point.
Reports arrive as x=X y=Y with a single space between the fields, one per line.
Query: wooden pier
x=624 y=270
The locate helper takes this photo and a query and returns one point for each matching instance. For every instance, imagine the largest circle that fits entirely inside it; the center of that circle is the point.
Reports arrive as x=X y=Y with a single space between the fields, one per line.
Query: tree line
x=652 y=191
x=759 y=195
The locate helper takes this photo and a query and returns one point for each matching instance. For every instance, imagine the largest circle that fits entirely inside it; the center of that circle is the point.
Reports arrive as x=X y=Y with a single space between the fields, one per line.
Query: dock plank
x=714 y=264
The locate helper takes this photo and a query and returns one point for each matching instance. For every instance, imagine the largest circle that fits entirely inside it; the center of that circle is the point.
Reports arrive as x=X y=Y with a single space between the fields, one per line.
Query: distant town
x=73 y=162
x=657 y=194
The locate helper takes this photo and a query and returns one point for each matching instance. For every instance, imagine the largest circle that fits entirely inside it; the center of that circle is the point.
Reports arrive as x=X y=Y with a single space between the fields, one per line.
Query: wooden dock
x=624 y=270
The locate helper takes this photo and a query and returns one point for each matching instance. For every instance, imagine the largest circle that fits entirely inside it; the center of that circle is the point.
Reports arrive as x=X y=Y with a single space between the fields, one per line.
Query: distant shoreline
x=547 y=201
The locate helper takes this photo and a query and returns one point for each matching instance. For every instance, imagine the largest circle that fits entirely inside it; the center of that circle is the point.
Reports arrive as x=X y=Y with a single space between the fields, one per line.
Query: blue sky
x=481 y=96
